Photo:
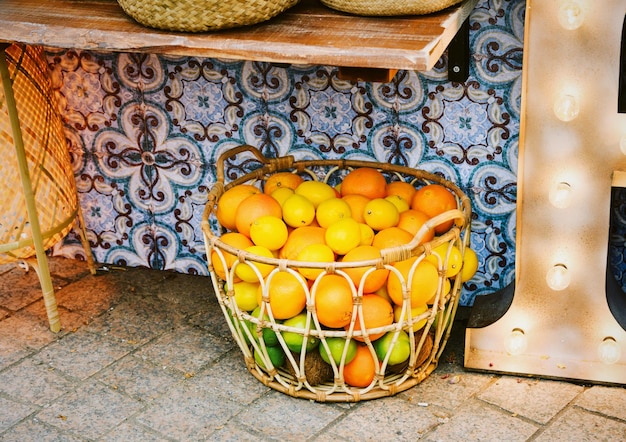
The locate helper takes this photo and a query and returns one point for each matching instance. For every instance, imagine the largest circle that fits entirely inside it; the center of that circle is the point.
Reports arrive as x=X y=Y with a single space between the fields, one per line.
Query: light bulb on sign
x=561 y=195
x=566 y=107
x=558 y=277
x=516 y=342
x=609 y=351
x=571 y=15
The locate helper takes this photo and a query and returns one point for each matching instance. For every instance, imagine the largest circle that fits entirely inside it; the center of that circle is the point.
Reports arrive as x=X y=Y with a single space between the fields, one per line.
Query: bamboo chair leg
x=49 y=298
x=82 y=231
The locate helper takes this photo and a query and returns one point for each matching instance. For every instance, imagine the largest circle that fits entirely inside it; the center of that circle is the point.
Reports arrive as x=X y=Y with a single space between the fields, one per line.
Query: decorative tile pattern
x=145 y=131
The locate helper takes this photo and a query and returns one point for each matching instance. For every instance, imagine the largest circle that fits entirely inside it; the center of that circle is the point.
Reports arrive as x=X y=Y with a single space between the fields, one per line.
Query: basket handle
x=405 y=251
x=270 y=164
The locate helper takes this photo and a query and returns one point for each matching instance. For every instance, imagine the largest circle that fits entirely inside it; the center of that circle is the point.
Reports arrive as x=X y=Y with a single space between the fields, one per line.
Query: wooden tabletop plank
x=308 y=33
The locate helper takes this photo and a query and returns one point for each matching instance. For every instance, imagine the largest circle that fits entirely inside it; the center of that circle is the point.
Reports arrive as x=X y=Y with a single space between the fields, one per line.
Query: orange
x=314 y=253
x=380 y=213
x=254 y=207
x=376 y=312
x=300 y=238
x=401 y=188
x=434 y=199
x=298 y=211
x=229 y=201
x=412 y=220
x=269 y=231
x=333 y=301
x=364 y=181
x=245 y=270
x=233 y=239
x=287 y=295
x=357 y=205
x=316 y=191
x=360 y=372
x=375 y=279
x=332 y=210
x=343 y=236
x=422 y=287
x=281 y=180
x=391 y=237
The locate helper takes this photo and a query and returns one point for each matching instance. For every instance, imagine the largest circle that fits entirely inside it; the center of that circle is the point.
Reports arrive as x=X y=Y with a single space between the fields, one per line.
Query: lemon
x=332 y=210
x=380 y=214
x=455 y=259
x=245 y=271
x=269 y=231
x=470 y=265
x=367 y=235
x=398 y=201
x=281 y=194
x=414 y=314
x=316 y=191
x=298 y=211
x=343 y=236
x=245 y=295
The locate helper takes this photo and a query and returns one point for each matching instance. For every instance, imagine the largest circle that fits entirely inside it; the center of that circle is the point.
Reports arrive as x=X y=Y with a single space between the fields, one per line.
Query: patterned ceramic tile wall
x=145 y=131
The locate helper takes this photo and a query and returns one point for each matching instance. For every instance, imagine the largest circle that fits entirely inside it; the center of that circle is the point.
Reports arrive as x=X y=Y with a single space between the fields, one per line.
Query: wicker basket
x=389 y=8
x=38 y=198
x=301 y=375
x=203 y=15
x=49 y=163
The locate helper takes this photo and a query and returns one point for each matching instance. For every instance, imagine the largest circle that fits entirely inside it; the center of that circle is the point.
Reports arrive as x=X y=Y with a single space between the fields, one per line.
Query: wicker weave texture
x=203 y=15
x=51 y=175
x=301 y=376
x=390 y=8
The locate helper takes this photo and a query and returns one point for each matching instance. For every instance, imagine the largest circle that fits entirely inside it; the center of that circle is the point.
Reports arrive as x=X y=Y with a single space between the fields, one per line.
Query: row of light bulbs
x=566 y=108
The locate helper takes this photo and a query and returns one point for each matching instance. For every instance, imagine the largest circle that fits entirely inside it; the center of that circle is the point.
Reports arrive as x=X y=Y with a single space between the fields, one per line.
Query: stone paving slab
x=537 y=400
x=147 y=356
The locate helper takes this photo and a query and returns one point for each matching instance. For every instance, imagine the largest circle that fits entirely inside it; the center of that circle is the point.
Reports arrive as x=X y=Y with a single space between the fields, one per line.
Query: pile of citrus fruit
x=320 y=230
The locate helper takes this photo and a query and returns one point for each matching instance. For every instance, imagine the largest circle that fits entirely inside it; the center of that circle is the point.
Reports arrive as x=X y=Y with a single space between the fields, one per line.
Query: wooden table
x=309 y=33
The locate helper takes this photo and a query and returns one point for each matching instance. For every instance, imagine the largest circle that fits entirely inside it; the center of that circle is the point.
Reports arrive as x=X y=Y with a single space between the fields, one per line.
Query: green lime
x=276 y=356
x=336 y=346
x=295 y=340
x=269 y=335
x=400 y=352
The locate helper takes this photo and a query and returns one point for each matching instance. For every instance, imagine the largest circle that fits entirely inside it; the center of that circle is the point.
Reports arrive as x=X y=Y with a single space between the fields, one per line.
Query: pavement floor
x=146 y=355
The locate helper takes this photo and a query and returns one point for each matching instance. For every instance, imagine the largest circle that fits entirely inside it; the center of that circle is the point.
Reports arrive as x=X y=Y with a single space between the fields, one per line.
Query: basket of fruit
x=387 y=8
x=203 y=15
x=339 y=279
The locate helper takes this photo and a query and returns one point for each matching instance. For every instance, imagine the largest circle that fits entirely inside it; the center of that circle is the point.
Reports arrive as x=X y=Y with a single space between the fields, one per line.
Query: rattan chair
x=38 y=198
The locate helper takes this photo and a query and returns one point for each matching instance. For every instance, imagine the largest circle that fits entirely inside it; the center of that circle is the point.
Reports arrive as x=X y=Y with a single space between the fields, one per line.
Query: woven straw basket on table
x=303 y=375
x=203 y=15
x=388 y=7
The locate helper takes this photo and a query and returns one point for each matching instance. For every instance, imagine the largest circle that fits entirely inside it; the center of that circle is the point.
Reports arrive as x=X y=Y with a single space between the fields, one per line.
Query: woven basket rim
x=271 y=165
x=386 y=8
x=203 y=15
